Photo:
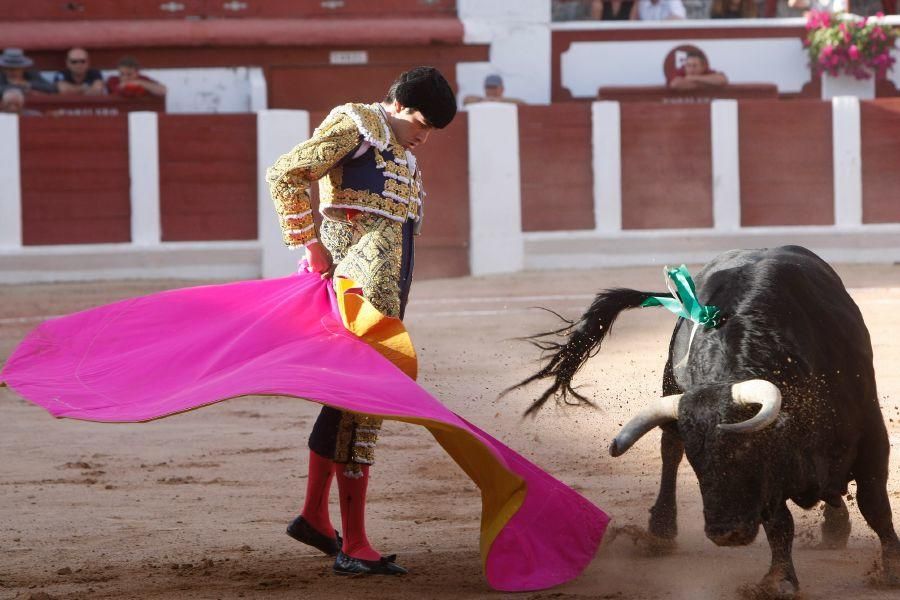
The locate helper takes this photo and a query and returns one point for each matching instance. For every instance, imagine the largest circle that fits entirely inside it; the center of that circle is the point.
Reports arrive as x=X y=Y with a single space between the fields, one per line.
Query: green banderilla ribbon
x=684 y=302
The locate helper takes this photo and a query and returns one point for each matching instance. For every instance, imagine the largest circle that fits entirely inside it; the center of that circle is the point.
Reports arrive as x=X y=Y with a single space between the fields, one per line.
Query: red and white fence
x=565 y=185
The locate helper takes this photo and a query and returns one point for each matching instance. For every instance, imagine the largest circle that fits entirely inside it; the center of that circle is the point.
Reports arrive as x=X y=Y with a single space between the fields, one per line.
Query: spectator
x=493 y=92
x=733 y=9
x=13 y=100
x=78 y=77
x=15 y=73
x=799 y=8
x=614 y=10
x=571 y=10
x=660 y=10
x=696 y=74
x=130 y=83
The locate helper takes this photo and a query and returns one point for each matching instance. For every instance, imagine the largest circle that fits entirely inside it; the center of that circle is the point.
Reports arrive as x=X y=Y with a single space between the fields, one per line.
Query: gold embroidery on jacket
x=289 y=178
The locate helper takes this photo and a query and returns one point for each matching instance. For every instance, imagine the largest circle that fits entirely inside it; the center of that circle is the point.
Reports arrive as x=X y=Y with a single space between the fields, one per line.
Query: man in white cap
x=15 y=72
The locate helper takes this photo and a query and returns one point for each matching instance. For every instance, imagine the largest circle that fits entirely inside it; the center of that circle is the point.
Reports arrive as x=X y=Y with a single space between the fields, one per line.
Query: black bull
x=794 y=342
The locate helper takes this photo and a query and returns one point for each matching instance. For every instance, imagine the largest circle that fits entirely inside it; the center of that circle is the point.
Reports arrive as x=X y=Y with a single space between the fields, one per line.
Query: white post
x=726 y=171
x=277 y=131
x=11 y=200
x=607 y=162
x=143 y=164
x=846 y=144
x=258 y=93
x=495 y=198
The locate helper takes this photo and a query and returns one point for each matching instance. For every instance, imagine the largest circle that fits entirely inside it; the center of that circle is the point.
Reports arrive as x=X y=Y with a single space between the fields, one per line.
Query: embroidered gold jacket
x=359 y=166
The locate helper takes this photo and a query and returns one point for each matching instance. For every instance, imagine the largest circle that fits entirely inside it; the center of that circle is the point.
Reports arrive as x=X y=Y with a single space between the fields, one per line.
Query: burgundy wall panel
x=666 y=166
x=194 y=9
x=75 y=181
x=556 y=174
x=786 y=163
x=880 y=156
x=443 y=248
x=207 y=173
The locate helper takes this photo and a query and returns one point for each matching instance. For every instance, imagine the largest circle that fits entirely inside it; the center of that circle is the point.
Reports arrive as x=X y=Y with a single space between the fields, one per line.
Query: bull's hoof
x=769 y=589
x=886 y=575
x=648 y=543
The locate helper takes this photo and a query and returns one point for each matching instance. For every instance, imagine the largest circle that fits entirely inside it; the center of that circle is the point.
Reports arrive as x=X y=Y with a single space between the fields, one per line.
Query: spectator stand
x=586 y=56
x=668 y=95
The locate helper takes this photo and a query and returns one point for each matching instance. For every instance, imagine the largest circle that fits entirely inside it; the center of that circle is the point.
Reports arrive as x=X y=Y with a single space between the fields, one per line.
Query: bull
x=777 y=402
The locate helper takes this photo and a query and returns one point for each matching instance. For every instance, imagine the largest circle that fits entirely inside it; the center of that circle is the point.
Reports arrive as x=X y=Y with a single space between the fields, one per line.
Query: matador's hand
x=319 y=259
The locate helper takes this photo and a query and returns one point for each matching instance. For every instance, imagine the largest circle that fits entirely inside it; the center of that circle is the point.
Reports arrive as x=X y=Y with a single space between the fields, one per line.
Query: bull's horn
x=659 y=412
x=755 y=391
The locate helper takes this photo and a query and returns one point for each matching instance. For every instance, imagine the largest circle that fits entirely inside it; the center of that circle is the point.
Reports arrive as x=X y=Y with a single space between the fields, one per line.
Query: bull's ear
x=755 y=391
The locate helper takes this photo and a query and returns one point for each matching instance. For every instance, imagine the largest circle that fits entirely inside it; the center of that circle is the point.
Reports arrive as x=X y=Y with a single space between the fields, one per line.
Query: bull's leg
x=835 y=527
x=872 y=496
x=781 y=580
x=663 y=514
x=871 y=472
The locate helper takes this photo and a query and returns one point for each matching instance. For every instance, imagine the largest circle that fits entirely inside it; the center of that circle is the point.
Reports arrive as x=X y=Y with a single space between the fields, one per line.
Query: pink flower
x=853 y=51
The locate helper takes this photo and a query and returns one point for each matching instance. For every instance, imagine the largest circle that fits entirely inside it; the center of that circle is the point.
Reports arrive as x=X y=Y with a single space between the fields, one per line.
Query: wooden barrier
x=666 y=166
x=666 y=95
x=880 y=129
x=556 y=171
x=75 y=183
x=786 y=164
x=56 y=105
x=207 y=171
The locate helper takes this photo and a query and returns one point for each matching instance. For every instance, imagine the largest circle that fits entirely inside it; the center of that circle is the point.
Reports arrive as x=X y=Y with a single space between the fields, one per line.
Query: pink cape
x=154 y=356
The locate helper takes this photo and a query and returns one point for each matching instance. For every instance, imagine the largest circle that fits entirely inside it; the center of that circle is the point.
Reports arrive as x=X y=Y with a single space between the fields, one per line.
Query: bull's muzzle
x=665 y=410
x=739 y=535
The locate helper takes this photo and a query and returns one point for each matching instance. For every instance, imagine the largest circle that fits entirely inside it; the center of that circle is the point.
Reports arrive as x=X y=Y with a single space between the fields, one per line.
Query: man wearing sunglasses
x=78 y=77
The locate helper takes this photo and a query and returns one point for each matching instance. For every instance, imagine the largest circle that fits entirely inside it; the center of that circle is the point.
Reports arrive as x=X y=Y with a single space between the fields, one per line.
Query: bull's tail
x=581 y=340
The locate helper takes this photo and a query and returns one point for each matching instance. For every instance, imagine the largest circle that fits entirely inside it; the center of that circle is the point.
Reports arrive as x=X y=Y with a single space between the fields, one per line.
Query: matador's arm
x=289 y=178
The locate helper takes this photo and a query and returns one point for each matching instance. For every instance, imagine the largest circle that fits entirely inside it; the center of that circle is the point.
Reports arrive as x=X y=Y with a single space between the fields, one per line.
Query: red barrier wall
x=154 y=9
x=207 y=173
x=786 y=163
x=880 y=124
x=75 y=182
x=556 y=170
x=666 y=166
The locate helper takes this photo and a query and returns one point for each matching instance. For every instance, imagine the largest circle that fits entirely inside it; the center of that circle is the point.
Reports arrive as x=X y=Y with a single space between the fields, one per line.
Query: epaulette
x=370 y=121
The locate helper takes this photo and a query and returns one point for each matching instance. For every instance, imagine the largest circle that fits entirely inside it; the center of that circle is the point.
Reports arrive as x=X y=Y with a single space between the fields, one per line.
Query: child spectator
x=696 y=74
x=78 y=77
x=130 y=83
x=15 y=72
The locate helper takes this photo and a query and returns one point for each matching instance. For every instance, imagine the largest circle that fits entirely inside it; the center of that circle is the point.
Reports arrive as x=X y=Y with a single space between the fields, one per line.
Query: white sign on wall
x=349 y=57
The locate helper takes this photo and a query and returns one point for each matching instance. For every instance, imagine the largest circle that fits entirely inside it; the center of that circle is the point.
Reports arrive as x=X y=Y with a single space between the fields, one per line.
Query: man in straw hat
x=14 y=72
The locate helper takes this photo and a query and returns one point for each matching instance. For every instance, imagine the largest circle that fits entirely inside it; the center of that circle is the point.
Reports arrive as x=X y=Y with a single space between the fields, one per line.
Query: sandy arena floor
x=195 y=506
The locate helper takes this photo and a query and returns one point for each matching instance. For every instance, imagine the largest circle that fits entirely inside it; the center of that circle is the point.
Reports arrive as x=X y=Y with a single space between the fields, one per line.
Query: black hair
x=697 y=54
x=425 y=89
x=128 y=61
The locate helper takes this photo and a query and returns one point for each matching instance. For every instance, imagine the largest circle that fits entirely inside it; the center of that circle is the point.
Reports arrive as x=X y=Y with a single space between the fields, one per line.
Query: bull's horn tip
x=614 y=449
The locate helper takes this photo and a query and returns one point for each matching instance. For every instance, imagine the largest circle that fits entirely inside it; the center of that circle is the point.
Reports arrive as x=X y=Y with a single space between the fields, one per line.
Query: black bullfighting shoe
x=302 y=531
x=347 y=565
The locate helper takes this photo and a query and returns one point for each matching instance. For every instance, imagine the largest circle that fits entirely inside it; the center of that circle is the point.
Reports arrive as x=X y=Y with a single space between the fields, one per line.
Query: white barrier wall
x=11 y=188
x=495 y=199
x=277 y=132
